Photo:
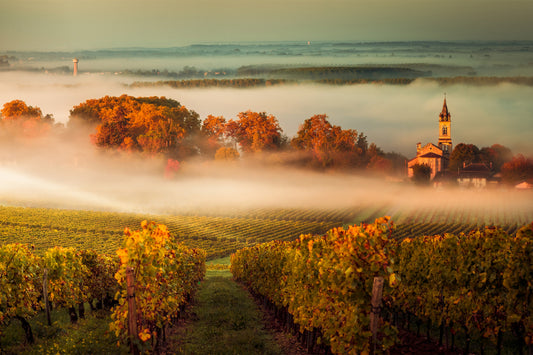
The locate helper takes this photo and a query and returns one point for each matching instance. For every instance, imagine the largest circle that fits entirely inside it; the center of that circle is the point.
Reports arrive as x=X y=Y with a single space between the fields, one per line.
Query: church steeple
x=445 y=125
x=444 y=114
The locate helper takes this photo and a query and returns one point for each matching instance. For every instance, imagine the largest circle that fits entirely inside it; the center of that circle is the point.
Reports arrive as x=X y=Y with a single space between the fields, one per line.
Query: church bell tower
x=445 y=133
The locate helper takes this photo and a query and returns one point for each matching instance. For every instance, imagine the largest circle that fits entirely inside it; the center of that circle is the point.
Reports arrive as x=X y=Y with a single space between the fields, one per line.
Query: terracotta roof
x=476 y=167
x=430 y=155
x=475 y=170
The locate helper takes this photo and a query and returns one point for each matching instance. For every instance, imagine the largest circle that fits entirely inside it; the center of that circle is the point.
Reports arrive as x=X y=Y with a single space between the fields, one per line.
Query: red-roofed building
x=475 y=175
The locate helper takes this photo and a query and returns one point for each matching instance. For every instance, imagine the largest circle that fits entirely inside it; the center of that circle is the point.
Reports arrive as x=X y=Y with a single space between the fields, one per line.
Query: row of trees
x=157 y=125
x=161 y=126
x=496 y=155
x=498 y=158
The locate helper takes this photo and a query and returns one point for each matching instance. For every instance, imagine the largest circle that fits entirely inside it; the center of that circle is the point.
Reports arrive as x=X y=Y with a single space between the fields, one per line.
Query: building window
x=444 y=131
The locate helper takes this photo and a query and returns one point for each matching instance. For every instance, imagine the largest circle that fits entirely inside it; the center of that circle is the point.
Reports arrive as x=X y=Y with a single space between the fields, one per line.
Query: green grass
x=220 y=261
x=228 y=321
x=88 y=336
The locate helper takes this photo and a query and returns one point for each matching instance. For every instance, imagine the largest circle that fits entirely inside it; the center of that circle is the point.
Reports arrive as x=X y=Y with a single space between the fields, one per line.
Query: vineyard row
x=219 y=233
x=476 y=284
x=165 y=274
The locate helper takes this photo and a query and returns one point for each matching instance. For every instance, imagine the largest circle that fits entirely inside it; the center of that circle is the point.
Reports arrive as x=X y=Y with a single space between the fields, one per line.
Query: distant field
x=221 y=232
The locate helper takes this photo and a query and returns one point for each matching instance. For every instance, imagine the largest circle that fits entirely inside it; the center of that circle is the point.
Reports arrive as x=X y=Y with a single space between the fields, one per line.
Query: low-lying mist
x=394 y=117
x=67 y=171
x=70 y=173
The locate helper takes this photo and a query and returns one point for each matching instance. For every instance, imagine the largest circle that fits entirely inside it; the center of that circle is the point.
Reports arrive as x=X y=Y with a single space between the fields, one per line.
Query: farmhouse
x=435 y=156
x=475 y=175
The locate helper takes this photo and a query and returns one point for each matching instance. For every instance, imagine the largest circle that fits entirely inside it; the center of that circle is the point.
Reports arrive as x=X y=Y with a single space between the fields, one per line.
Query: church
x=435 y=156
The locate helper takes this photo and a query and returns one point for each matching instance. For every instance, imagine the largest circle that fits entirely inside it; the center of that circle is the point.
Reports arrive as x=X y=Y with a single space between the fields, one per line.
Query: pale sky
x=92 y=24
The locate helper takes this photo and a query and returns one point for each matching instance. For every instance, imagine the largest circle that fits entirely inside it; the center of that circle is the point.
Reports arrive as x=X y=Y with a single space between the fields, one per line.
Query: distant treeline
x=290 y=73
x=186 y=73
x=204 y=83
x=484 y=80
x=255 y=82
x=334 y=72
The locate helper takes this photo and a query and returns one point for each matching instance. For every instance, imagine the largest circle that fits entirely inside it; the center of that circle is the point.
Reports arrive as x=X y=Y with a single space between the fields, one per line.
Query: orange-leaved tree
x=255 y=131
x=24 y=119
x=214 y=133
x=330 y=145
x=147 y=124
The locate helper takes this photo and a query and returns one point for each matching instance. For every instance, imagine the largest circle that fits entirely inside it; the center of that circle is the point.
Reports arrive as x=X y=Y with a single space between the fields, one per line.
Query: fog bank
x=394 y=117
x=67 y=171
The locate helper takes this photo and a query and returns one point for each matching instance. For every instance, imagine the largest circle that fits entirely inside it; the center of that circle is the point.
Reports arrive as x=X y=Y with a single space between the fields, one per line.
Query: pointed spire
x=445 y=114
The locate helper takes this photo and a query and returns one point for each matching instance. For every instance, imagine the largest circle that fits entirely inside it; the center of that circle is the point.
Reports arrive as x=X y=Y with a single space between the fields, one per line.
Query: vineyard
x=144 y=288
x=476 y=285
x=288 y=250
x=221 y=232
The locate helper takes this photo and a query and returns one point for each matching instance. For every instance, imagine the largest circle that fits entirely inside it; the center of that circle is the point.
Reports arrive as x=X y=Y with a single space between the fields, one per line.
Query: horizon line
x=266 y=42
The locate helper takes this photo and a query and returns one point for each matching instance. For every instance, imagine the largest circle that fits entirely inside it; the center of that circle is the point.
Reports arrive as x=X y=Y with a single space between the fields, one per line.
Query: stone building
x=435 y=156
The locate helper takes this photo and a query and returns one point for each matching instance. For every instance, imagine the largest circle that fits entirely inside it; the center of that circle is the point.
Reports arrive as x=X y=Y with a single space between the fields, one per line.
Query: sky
x=63 y=25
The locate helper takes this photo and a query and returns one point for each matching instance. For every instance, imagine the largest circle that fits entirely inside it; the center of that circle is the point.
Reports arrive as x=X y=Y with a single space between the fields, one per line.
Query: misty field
x=211 y=143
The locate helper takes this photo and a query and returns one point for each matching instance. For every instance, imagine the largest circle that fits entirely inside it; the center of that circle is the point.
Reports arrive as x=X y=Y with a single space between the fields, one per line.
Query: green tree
x=463 y=154
x=421 y=174
x=497 y=155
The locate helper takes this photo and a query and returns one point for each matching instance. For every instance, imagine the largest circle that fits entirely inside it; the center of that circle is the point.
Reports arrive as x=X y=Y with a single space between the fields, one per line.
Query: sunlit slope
x=221 y=232
x=102 y=231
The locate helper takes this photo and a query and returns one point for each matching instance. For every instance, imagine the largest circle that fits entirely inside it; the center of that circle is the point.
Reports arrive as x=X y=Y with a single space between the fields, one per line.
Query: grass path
x=225 y=320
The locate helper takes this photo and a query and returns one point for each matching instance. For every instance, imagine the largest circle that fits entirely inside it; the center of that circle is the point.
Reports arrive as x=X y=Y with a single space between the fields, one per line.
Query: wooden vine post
x=132 y=311
x=377 y=293
x=45 y=294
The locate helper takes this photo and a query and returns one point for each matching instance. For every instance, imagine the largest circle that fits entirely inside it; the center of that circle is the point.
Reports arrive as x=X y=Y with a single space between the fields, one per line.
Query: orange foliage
x=330 y=145
x=18 y=109
x=26 y=120
x=517 y=170
x=148 y=124
x=255 y=131
x=214 y=130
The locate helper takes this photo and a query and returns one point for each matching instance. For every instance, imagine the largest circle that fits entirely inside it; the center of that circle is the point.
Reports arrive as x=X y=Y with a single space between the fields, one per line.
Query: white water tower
x=75 y=61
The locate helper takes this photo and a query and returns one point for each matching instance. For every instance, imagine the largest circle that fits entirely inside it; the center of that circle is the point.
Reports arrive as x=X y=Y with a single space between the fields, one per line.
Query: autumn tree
x=213 y=132
x=421 y=174
x=255 y=132
x=517 y=170
x=147 y=124
x=17 y=109
x=379 y=164
x=330 y=145
x=463 y=154
x=398 y=162
x=26 y=120
x=227 y=154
